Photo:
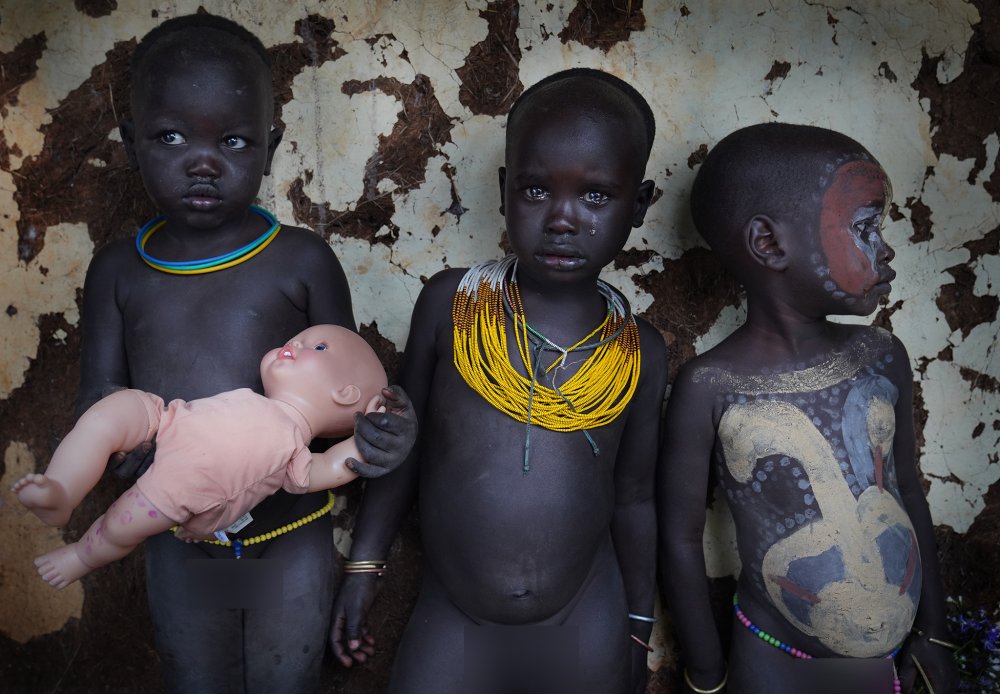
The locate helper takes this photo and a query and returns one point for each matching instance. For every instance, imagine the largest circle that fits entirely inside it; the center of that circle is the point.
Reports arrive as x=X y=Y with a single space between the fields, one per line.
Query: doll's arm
x=342 y=462
x=935 y=659
x=633 y=525
x=682 y=492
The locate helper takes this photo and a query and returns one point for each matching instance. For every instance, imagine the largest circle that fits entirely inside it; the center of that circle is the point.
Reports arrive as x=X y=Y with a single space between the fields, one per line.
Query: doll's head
x=571 y=185
x=804 y=201
x=327 y=373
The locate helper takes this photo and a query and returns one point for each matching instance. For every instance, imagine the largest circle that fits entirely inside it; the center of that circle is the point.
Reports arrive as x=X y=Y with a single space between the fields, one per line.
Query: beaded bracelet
x=374 y=566
x=713 y=690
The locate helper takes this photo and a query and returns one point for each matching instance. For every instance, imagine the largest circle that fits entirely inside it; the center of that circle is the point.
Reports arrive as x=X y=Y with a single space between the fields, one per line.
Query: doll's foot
x=43 y=497
x=61 y=567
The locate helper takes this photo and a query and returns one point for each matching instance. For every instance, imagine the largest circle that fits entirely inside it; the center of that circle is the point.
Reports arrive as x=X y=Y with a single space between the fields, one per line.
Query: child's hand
x=129 y=466
x=384 y=437
x=922 y=659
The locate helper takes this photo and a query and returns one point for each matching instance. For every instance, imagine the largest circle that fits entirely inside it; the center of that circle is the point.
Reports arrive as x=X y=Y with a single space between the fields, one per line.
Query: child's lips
x=560 y=260
x=202 y=197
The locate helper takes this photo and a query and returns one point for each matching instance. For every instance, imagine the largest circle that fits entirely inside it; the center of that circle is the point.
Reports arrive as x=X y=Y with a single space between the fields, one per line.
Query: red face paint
x=853 y=208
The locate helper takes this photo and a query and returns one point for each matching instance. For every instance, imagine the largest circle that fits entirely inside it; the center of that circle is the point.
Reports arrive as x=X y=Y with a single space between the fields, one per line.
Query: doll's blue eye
x=321 y=347
x=172 y=137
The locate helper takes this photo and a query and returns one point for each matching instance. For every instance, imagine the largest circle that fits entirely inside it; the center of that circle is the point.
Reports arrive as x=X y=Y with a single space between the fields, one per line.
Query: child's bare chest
x=195 y=336
x=805 y=460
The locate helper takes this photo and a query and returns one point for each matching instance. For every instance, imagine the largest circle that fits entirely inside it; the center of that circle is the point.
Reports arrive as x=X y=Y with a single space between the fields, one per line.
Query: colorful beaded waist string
x=897 y=686
x=219 y=262
x=238 y=545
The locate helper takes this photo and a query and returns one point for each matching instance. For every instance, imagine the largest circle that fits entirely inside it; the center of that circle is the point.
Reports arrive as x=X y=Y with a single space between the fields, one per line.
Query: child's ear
x=765 y=243
x=502 y=171
x=643 y=199
x=346 y=396
x=273 y=140
x=126 y=128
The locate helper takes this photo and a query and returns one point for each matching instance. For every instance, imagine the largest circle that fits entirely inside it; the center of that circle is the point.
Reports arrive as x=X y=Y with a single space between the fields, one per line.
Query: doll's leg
x=126 y=523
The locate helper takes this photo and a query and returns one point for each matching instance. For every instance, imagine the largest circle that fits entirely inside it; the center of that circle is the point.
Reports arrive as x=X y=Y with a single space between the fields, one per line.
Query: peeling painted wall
x=394 y=117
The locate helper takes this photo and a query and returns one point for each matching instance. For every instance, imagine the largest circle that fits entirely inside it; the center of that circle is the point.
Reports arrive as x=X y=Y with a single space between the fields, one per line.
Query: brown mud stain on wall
x=17 y=67
x=422 y=128
x=112 y=641
x=289 y=59
x=689 y=294
x=966 y=110
x=96 y=8
x=489 y=76
x=603 y=23
x=81 y=175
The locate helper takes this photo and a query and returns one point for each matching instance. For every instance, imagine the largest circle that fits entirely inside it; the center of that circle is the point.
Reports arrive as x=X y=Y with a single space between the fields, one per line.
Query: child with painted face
x=213 y=284
x=216 y=457
x=807 y=426
x=542 y=394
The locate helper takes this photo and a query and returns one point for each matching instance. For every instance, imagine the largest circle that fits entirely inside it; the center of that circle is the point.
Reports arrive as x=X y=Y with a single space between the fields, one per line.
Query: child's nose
x=562 y=219
x=203 y=163
x=885 y=252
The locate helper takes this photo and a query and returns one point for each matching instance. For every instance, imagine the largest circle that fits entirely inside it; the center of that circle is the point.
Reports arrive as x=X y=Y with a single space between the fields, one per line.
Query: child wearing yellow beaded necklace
x=213 y=284
x=539 y=395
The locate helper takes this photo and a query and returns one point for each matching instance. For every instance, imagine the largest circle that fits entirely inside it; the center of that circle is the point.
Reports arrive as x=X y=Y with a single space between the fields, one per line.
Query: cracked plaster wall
x=393 y=115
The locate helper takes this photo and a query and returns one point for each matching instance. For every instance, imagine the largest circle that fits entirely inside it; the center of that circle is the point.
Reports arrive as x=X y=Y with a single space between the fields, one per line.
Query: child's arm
x=936 y=660
x=682 y=491
x=633 y=526
x=386 y=500
x=103 y=365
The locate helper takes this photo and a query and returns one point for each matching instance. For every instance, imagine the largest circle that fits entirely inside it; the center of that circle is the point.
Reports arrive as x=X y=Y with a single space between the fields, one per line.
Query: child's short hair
x=189 y=29
x=774 y=169
x=630 y=92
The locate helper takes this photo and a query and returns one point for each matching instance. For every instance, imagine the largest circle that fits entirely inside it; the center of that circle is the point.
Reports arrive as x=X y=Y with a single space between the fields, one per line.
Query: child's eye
x=867 y=227
x=536 y=192
x=321 y=347
x=172 y=137
x=595 y=197
x=235 y=142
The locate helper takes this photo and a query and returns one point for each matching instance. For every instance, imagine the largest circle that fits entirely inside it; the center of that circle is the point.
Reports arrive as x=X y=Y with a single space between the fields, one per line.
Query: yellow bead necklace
x=592 y=397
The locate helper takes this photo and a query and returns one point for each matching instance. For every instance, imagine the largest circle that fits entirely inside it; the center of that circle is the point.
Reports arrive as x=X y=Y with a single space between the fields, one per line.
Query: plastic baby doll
x=216 y=457
x=807 y=425
x=539 y=530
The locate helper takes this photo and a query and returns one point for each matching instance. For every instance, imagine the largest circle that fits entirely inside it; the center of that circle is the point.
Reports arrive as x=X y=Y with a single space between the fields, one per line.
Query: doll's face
x=201 y=136
x=856 y=255
x=311 y=364
x=327 y=372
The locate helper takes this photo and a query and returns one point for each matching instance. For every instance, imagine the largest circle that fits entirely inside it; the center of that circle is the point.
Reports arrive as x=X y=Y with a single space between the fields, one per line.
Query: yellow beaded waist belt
x=238 y=545
x=592 y=397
